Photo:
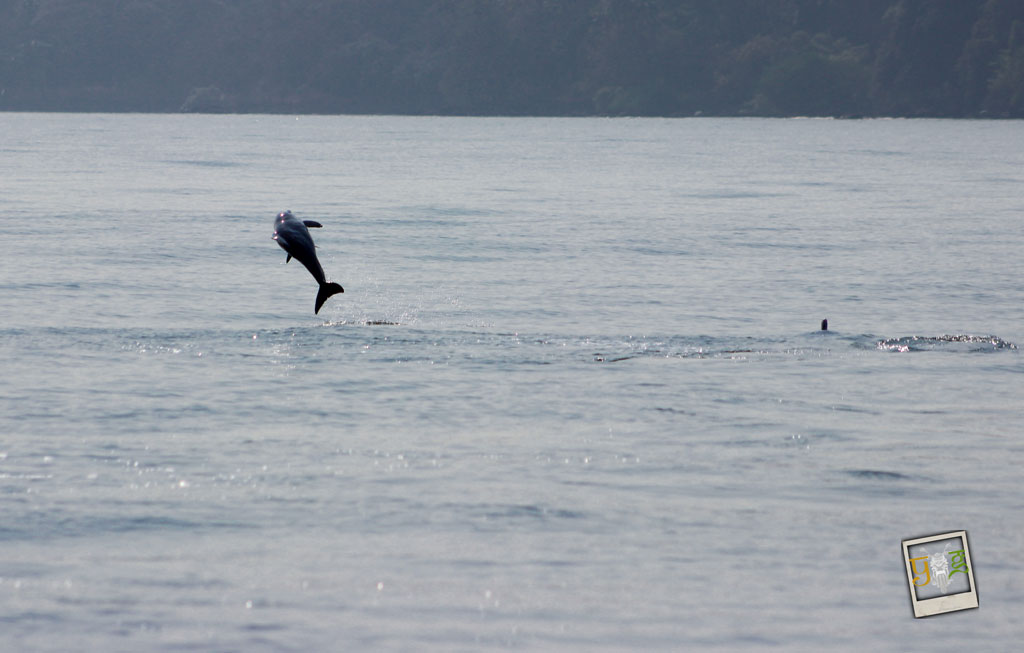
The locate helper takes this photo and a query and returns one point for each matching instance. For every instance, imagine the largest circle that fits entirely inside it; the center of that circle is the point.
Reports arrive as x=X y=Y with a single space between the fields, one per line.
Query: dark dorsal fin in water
x=311 y=223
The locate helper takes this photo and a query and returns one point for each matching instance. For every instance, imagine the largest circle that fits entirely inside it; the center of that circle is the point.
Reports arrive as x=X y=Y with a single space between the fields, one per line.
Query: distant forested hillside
x=516 y=57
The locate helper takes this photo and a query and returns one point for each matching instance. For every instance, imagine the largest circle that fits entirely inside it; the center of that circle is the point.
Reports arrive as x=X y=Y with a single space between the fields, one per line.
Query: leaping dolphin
x=293 y=236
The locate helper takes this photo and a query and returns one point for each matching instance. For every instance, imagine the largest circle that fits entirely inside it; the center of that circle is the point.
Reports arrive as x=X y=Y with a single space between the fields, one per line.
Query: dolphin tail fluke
x=326 y=290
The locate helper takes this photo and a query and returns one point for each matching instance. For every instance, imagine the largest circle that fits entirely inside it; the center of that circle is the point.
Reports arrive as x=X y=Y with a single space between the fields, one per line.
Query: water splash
x=955 y=343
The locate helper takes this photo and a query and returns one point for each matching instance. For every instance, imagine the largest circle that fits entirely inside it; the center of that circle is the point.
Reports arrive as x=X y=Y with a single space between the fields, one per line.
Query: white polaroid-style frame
x=940 y=573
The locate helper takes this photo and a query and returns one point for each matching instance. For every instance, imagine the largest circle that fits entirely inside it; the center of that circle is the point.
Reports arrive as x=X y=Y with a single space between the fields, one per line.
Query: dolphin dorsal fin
x=311 y=223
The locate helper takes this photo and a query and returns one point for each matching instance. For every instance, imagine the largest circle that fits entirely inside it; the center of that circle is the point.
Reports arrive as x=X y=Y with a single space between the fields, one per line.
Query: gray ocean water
x=574 y=397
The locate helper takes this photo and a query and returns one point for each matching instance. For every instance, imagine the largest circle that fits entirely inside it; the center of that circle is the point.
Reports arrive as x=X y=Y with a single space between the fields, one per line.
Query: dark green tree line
x=517 y=57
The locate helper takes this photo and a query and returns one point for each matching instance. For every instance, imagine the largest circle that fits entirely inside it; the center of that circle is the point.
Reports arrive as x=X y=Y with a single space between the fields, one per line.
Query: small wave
x=526 y=511
x=877 y=475
x=954 y=342
x=361 y=323
x=206 y=163
x=500 y=512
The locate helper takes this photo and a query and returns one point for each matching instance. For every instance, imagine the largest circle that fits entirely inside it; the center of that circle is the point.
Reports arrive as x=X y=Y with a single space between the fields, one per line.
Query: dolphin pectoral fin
x=326 y=290
x=288 y=258
x=311 y=223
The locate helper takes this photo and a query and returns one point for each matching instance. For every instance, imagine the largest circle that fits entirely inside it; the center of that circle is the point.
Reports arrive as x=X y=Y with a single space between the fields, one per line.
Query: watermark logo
x=940 y=574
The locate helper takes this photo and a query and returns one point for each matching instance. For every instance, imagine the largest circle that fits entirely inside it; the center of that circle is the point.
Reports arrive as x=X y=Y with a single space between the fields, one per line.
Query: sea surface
x=575 y=396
